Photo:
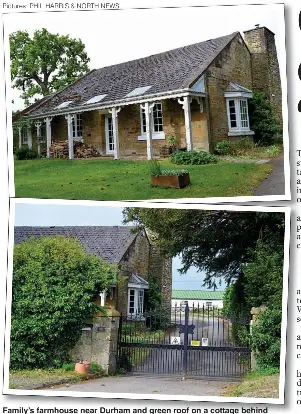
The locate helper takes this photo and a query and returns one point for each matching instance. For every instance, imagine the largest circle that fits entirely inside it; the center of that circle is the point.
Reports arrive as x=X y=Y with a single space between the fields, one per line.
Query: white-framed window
x=238 y=116
x=24 y=135
x=77 y=127
x=156 y=123
x=42 y=137
x=135 y=302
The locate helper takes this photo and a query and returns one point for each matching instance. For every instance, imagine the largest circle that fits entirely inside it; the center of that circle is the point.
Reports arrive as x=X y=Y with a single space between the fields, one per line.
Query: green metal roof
x=197 y=294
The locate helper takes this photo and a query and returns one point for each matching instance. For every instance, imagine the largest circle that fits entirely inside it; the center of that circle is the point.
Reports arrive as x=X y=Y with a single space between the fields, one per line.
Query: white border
x=240 y=199
x=280 y=400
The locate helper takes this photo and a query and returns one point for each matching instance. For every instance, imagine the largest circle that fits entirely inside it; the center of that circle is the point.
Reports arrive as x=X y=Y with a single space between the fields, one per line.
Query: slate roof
x=173 y=70
x=107 y=242
x=197 y=294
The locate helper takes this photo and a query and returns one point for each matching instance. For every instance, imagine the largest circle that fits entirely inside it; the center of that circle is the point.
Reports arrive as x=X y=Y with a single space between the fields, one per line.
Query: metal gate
x=190 y=342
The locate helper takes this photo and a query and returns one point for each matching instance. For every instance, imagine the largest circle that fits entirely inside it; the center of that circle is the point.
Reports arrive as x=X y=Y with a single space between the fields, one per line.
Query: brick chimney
x=265 y=67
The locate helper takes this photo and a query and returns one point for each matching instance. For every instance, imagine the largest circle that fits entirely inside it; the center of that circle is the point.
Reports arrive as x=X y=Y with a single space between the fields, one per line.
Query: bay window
x=238 y=117
x=135 y=302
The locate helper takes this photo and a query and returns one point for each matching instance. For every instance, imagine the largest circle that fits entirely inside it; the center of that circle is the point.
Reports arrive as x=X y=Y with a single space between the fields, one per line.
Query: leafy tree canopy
x=219 y=243
x=45 y=63
x=54 y=283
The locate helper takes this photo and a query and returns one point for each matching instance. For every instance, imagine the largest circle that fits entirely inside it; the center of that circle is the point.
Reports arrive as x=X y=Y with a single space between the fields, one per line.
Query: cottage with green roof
x=207 y=298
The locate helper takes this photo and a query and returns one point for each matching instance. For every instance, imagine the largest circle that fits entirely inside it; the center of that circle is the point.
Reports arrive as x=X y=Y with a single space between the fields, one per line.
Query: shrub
x=68 y=366
x=263 y=120
x=54 y=282
x=26 y=154
x=223 y=148
x=95 y=368
x=239 y=147
x=192 y=157
x=266 y=338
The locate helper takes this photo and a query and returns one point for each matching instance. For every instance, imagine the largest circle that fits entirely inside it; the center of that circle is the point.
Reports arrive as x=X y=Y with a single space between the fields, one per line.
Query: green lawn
x=130 y=180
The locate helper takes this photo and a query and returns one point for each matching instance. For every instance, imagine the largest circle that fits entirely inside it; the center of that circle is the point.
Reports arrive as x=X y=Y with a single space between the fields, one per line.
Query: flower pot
x=82 y=367
x=173 y=181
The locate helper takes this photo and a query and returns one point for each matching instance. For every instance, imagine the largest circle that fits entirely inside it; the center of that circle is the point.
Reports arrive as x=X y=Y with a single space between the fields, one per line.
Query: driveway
x=150 y=385
x=274 y=184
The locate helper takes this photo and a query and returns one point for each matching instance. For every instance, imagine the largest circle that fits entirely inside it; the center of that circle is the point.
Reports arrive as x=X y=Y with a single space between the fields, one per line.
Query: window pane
x=110 y=134
x=143 y=122
x=244 y=114
x=132 y=301
x=79 y=125
x=140 y=301
x=158 y=117
x=232 y=114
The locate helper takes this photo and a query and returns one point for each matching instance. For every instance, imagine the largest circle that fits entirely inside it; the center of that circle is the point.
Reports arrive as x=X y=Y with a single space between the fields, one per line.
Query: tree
x=45 y=63
x=219 y=243
x=263 y=120
x=54 y=283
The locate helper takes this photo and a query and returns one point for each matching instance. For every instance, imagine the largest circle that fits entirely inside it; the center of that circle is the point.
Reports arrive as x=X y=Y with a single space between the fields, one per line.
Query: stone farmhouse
x=196 y=95
x=138 y=261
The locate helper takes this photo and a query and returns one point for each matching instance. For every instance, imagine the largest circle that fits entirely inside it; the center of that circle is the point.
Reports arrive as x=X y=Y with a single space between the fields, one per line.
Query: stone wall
x=144 y=258
x=265 y=66
x=129 y=128
x=98 y=342
x=233 y=64
x=135 y=260
x=59 y=128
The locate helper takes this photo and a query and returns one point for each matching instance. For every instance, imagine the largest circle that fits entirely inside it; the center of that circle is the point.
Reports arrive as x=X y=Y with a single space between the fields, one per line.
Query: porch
x=136 y=130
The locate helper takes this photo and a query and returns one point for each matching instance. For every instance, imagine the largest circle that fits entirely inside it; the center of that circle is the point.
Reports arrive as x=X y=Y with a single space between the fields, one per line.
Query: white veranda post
x=114 y=111
x=70 y=118
x=148 y=109
x=29 y=136
x=38 y=126
x=20 y=136
x=185 y=102
x=48 y=135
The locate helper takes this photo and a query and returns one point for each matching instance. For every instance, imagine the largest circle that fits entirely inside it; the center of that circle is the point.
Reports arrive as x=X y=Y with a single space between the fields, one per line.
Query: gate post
x=99 y=344
x=185 y=352
x=255 y=312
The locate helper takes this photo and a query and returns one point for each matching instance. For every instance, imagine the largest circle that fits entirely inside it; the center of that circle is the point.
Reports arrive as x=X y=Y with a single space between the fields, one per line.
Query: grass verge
x=130 y=180
x=256 y=384
x=43 y=378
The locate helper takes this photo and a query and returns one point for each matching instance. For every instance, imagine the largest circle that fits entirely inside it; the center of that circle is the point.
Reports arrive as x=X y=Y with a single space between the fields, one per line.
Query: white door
x=109 y=134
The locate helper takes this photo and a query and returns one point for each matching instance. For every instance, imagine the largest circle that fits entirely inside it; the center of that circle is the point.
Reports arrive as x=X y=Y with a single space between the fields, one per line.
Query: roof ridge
x=167 y=51
x=196 y=75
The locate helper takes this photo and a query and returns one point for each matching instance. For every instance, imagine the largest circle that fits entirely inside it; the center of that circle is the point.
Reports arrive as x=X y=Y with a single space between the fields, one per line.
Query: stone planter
x=173 y=181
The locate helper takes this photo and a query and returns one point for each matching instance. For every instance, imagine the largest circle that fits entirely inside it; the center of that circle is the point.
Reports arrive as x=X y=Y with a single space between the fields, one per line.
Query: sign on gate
x=204 y=341
x=175 y=340
x=195 y=343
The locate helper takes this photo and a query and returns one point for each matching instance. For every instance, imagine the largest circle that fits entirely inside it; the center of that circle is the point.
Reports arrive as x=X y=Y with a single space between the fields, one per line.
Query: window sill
x=239 y=133
x=155 y=135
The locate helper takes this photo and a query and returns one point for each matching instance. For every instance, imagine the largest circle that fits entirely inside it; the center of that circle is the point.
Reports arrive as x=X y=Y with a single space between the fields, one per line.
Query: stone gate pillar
x=98 y=342
x=255 y=312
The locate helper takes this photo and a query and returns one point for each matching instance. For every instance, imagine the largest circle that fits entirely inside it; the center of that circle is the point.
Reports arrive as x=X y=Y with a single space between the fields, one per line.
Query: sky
x=81 y=215
x=117 y=36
